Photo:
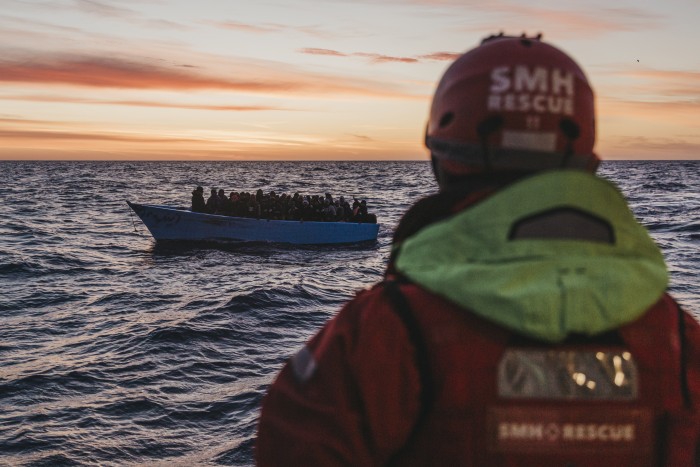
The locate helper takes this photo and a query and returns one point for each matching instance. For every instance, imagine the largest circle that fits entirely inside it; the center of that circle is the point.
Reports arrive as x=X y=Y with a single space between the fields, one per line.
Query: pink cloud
x=378 y=58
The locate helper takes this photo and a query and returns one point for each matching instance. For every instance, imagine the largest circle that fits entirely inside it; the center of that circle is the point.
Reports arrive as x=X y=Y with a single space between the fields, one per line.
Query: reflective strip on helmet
x=529 y=140
x=506 y=158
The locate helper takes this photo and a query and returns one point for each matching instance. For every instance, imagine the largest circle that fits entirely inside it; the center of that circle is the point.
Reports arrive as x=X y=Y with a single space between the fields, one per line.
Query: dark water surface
x=115 y=350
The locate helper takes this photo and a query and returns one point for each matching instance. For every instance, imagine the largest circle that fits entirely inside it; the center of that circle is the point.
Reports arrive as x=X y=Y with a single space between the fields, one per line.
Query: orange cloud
x=117 y=73
x=77 y=145
x=362 y=137
x=642 y=147
x=271 y=28
x=680 y=120
x=668 y=82
x=653 y=110
x=131 y=103
x=441 y=56
x=379 y=58
x=24 y=138
x=44 y=135
x=98 y=72
x=632 y=129
x=316 y=51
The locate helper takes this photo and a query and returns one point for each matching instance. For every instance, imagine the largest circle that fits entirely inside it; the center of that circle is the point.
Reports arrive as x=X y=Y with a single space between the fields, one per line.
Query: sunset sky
x=316 y=79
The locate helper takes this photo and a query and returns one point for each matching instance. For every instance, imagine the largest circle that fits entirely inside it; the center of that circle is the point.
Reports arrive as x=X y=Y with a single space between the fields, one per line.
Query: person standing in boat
x=198 y=204
x=212 y=202
x=221 y=202
x=523 y=319
x=345 y=208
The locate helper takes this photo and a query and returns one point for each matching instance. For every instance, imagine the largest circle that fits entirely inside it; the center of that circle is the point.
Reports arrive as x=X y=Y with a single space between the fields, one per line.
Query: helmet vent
x=446 y=119
x=527 y=41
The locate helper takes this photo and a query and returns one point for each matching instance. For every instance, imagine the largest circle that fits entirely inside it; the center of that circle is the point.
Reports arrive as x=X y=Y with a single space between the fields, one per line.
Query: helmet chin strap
x=571 y=131
x=484 y=130
x=484 y=158
x=436 y=169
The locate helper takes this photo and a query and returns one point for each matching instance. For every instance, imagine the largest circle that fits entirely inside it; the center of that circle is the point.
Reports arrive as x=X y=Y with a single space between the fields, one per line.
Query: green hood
x=544 y=288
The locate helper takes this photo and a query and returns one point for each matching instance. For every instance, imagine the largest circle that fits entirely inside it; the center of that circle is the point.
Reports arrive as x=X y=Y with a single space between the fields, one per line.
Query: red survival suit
x=403 y=376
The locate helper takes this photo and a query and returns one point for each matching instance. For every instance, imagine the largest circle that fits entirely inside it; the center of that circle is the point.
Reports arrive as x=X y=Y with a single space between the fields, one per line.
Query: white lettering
x=555 y=104
x=526 y=81
x=499 y=79
x=567 y=432
x=494 y=102
x=524 y=103
x=560 y=81
x=568 y=106
x=594 y=432
x=522 y=89
x=528 y=431
x=509 y=102
x=538 y=103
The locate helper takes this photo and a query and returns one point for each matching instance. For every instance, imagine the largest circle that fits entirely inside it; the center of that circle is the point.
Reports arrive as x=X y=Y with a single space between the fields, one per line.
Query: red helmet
x=512 y=104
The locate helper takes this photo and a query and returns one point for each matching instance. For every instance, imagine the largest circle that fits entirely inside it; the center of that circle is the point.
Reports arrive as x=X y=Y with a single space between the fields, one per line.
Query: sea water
x=115 y=350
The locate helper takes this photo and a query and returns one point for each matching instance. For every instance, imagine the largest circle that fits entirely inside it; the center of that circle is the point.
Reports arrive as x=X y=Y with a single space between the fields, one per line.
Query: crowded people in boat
x=275 y=206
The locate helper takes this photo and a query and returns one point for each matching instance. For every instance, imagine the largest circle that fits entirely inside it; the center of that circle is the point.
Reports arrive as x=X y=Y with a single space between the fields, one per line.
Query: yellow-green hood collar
x=543 y=288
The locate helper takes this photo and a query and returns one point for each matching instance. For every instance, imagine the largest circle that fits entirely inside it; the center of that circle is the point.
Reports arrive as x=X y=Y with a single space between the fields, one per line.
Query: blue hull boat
x=170 y=223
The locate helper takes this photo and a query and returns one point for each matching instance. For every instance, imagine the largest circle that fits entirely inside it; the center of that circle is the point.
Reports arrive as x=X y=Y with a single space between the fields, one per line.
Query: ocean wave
x=119 y=350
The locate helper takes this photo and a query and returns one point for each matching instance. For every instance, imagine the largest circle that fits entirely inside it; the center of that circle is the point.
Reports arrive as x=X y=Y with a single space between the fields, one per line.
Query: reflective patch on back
x=303 y=365
x=566 y=374
x=571 y=431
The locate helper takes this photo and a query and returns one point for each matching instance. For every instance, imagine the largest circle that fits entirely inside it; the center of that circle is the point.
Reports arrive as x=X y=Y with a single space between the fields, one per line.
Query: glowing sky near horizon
x=316 y=79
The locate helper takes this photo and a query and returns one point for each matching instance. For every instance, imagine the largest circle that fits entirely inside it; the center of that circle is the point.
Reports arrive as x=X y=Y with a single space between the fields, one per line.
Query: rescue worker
x=523 y=319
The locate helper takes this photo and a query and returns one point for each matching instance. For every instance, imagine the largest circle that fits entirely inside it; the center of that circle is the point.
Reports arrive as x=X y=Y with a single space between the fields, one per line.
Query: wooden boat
x=171 y=223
